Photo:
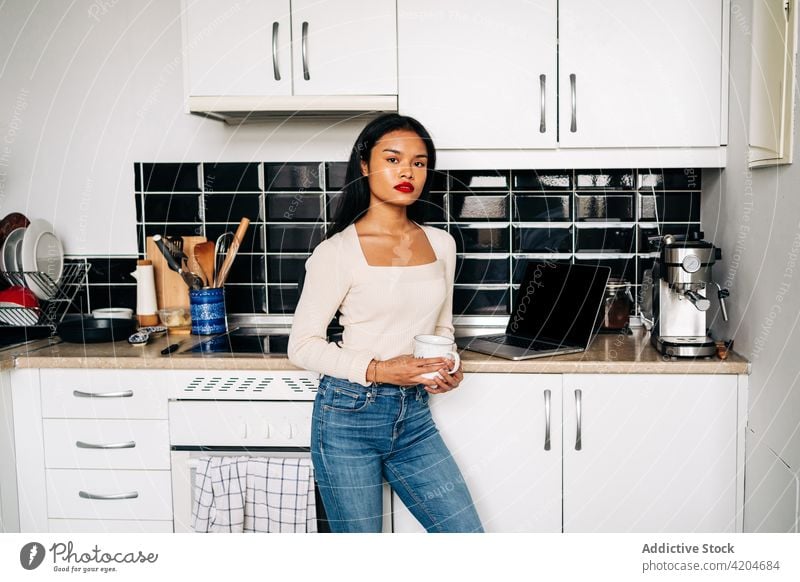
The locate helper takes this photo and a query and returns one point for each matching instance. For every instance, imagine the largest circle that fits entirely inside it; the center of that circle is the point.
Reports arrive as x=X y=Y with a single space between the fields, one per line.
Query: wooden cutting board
x=171 y=291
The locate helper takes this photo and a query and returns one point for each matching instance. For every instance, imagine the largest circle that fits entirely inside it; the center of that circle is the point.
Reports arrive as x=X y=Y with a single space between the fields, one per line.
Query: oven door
x=275 y=428
x=184 y=468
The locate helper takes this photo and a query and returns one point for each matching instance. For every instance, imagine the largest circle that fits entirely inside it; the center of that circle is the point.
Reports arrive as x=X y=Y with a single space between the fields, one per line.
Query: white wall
x=754 y=216
x=89 y=87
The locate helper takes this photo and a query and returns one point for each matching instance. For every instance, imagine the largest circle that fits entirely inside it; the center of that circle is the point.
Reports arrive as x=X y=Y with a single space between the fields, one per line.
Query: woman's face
x=397 y=168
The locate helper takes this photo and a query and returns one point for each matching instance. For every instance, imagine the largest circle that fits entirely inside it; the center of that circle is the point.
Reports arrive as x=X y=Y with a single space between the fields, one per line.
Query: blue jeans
x=361 y=435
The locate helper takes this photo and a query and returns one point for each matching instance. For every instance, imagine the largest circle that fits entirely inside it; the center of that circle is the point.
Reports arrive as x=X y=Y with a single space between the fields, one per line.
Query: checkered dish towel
x=254 y=494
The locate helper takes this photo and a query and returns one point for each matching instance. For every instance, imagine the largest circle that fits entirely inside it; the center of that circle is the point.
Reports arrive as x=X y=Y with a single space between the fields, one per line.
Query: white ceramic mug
x=435 y=346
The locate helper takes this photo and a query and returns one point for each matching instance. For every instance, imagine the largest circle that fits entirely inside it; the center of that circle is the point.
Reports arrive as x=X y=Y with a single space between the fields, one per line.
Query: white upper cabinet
x=640 y=74
x=239 y=49
x=645 y=74
x=480 y=76
x=283 y=48
x=344 y=48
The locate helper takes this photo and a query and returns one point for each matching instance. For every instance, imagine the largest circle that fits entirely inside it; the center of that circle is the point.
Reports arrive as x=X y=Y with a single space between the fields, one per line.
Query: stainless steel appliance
x=675 y=296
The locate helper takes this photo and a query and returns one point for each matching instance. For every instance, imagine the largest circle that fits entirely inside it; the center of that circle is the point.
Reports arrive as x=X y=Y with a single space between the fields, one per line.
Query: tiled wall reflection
x=500 y=220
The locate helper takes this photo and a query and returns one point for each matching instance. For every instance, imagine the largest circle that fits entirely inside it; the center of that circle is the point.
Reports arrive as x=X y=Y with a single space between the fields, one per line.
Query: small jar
x=208 y=311
x=617 y=304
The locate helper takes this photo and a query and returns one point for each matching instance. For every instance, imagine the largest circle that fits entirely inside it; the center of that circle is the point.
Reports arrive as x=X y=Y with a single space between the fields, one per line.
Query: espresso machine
x=675 y=295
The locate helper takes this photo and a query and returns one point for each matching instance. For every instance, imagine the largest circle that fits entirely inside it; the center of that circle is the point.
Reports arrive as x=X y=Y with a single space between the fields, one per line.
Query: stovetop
x=249 y=340
x=246 y=341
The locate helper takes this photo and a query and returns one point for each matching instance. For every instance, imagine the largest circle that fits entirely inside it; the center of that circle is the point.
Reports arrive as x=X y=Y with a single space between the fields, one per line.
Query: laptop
x=556 y=311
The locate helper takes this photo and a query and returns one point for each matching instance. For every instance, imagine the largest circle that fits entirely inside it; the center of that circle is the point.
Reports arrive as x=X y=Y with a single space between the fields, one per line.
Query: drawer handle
x=573 y=125
x=547 y=420
x=131 y=495
x=123 y=394
x=276 y=72
x=304 y=51
x=578 y=398
x=83 y=445
x=542 y=104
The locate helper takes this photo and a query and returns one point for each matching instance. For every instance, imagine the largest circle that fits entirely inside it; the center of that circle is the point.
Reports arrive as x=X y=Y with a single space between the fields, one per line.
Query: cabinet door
x=344 y=48
x=657 y=453
x=480 y=76
x=639 y=74
x=238 y=49
x=495 y=427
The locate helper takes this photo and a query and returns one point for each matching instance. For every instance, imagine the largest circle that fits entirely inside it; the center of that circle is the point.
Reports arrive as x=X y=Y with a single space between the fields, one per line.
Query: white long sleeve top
x=382 y=307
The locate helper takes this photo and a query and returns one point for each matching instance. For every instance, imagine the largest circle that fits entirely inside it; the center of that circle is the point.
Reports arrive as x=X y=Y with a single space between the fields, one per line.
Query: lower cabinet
x=637 y=453
x=539 y=452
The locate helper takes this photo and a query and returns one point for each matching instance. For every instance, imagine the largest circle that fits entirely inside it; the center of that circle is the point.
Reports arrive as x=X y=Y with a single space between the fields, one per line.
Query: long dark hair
x=355 y=194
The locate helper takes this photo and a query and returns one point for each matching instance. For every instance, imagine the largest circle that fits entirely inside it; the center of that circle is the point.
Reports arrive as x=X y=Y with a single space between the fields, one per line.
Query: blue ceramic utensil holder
x=208 y=311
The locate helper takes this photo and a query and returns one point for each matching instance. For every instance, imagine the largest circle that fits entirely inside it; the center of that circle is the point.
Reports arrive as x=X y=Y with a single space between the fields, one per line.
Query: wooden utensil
x=171 y=291
x=219 y=281
x=204 y=257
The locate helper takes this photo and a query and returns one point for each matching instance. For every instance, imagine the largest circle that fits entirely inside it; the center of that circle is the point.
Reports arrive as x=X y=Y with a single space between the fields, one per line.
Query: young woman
x=391 y=278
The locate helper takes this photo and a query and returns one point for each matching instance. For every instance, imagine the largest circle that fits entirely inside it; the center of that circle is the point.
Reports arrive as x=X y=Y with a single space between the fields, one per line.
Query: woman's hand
x=448 y=381
x=406 y=370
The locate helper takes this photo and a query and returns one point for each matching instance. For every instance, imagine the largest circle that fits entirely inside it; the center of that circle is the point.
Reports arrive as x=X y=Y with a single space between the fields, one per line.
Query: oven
x=238 y=413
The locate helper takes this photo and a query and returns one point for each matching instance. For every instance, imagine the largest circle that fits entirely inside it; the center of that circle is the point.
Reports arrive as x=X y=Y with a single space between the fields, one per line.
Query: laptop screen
x=558 y=302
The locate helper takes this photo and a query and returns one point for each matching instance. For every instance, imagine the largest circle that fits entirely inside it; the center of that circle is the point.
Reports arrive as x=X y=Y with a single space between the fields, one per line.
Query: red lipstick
x=406 y=187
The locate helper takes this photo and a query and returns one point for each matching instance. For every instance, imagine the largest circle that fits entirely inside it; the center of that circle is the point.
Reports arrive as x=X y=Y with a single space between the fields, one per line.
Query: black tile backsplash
x=294 y=238
x=541 y=181
x=245 y=299
x=479 y=271
x=286 y=268
x=542 y=208
x=230 y=177
x=500 y=219
x=253 y=241
x=542 y=240
x=670 y=207
x=605 y=240
x=170 y=177
x=604 y=207
x=605 y=179
x=111 y=270
x=488 y=207
x=169 y=207
x=476 y=180
x=294 y=207
x=335 y=173
x=480 y=239
x=294 y=177
x=101 y=296
x=233 y=207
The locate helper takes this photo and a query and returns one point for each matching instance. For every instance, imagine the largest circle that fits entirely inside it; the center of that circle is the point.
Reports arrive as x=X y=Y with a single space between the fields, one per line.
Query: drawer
x=152 y=490
x=135 y=444
x=83 y=393
x=109 y=526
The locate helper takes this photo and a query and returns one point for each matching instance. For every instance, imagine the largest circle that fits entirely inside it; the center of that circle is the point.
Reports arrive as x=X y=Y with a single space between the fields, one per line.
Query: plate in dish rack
x=42 y=252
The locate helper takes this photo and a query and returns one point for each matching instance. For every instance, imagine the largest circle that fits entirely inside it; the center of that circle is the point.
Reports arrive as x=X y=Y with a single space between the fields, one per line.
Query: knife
x=178 y=345
x=193 y=281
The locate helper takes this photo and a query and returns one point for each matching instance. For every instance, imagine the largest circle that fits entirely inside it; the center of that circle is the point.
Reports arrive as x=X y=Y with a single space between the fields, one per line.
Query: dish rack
x=43 y=321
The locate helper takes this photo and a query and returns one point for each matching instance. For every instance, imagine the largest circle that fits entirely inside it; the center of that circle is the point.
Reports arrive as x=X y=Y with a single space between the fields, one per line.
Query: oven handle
x=194 y=462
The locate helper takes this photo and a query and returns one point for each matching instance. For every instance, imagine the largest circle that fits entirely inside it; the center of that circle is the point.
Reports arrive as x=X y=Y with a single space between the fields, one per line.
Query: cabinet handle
x=306 y=76
x=276 y=72
x=83 y=445
x=578 y=395
x=573 y=126
x=542 y=107
x=547 y=420
x=87 y=495
x=123 y=394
